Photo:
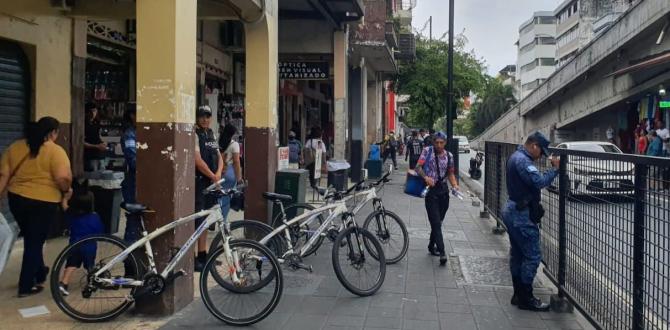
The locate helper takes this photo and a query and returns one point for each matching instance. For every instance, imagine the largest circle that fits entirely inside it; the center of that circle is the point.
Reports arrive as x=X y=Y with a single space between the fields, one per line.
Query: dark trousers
x=34 y=219
x=390 y=153
x=437 y=205
x=312 y=180
x=412 y=162
x=524 y=237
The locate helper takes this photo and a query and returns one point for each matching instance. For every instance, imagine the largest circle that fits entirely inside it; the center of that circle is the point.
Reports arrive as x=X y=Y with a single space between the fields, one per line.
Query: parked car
x=592 y=176
x=463 y=144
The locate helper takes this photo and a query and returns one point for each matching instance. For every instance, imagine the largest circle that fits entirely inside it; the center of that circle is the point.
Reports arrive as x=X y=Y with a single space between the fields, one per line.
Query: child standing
x=83 y=222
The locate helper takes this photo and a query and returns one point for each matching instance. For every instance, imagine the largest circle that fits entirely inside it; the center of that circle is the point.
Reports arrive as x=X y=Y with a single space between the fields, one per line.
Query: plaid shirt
x=446 y=163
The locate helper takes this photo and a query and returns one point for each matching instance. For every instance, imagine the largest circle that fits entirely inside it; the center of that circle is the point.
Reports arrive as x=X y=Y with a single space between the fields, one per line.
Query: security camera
x=661 y=90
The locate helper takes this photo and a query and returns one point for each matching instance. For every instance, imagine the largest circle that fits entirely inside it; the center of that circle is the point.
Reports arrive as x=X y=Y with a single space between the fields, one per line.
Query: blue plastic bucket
x=414 y=184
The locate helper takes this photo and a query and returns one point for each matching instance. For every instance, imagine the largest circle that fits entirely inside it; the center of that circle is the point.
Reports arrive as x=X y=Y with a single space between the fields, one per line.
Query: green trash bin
x=291 y=182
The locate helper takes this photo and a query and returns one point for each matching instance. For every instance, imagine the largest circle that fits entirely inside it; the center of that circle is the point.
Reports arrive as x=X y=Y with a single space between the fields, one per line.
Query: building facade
x=536 y=52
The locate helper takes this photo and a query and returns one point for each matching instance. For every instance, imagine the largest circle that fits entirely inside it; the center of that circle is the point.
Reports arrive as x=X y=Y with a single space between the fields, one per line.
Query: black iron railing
x=605 y=233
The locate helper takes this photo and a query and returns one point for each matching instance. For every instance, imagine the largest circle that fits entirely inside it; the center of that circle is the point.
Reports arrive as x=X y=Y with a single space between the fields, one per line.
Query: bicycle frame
x=212 y=215
x=338 y=208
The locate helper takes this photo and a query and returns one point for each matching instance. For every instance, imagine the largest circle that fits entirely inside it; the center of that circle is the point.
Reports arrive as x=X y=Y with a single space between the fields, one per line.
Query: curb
x=473 y=186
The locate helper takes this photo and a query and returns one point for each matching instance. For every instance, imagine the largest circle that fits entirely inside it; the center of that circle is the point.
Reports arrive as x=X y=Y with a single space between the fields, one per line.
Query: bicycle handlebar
x=357 y=186
x=216 y=186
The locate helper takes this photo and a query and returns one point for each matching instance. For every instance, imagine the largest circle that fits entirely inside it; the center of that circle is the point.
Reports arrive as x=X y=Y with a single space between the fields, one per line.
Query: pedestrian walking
x=414 y=148
x=294 y=150
x=390 y=149
x=522 y=215
x=133 y=227
x=435 y=166
x=94 y=147
x=36 y=172
x=655 y=147
x=313 y=146
x=232 y=169
x=209 y=168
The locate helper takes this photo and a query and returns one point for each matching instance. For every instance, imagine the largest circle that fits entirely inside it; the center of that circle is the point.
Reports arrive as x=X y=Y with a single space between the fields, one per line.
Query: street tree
x=495 y=100
x=425 y=79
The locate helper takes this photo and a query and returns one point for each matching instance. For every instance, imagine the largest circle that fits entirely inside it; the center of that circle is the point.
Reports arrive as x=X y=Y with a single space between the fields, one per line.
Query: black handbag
x=237 y=201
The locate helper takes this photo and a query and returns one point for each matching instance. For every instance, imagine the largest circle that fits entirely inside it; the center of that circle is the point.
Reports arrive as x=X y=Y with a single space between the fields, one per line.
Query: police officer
x=522 y=215
x=209 y=166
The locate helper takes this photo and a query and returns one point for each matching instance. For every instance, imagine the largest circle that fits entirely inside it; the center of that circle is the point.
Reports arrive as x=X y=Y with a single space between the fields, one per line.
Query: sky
x=491 y=26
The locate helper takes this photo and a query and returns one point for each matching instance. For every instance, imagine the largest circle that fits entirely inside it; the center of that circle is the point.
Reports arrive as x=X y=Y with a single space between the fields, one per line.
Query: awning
x=644 y=64
x=336 y=12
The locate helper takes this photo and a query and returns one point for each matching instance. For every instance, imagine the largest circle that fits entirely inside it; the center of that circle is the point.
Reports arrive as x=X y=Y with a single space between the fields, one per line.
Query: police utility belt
x=535 y=209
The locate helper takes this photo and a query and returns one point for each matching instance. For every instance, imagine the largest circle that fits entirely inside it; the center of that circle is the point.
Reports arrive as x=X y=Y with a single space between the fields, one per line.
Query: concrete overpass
x=600 y=86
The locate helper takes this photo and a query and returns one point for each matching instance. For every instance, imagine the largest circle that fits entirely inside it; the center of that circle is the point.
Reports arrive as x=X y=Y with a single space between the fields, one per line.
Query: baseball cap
x=203 y=110
x=440 y=135
x=542 y=141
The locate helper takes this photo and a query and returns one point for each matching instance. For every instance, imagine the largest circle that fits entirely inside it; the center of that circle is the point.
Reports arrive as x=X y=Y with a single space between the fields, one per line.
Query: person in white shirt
x=664 y=134
x=316 y=144
x=230 y=151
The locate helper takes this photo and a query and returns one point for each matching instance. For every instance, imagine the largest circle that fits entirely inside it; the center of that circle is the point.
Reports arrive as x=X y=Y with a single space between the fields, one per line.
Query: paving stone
x=454 y=308
x=304 y=321
x=563 y=324
x=489 y=317
x=457 y=321
x=531 y=323
x=383 y=322
x=421 y=325
x=384 y=312
x=482 y=298
x=346 y=320
x=316 y=306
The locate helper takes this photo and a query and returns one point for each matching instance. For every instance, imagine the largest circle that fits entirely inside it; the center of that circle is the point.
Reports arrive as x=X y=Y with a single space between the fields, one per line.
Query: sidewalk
x=472 y=292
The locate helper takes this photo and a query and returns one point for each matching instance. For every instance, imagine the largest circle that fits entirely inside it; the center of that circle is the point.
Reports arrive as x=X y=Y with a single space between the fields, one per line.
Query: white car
x=592 y=176
x=463 y=144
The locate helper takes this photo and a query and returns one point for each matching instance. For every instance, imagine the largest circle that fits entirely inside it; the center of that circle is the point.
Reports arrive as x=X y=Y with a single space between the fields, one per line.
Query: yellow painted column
x=166 y=64
x=340 y=92
x=260 y=132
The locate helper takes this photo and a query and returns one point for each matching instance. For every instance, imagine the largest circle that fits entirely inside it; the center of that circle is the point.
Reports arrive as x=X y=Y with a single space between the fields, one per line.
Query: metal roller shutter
x=14 y=93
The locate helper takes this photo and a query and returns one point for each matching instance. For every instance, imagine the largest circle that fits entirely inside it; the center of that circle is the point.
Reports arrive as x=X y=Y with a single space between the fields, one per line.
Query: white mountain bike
x=357 y=256
x=97 y=278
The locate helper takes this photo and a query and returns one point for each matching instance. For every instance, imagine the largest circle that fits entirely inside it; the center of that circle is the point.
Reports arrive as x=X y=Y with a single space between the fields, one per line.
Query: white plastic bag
x=9 y=231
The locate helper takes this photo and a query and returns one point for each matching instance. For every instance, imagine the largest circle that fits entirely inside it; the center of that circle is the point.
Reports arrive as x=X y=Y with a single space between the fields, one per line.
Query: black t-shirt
x=92 y=136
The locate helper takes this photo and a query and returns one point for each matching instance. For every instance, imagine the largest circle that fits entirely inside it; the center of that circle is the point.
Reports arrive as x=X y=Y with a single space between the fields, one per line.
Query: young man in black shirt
x=414 y=147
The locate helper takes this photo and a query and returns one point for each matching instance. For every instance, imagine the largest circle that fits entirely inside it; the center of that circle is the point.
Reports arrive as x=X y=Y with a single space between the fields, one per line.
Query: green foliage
x=491 y=104
x=425 y=79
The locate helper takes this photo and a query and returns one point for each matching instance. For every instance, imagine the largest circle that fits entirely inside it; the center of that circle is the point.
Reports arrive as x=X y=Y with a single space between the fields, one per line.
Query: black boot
x=515 y=297
x=527 y=301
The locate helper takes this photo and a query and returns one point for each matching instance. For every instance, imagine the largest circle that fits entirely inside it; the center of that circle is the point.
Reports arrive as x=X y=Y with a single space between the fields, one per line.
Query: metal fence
x=605 y=233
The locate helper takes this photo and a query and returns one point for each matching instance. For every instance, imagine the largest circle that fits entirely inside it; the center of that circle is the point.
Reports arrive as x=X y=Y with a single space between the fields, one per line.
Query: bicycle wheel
x=303 y=232
x=247 y=303
x=89 y=301
x=391 y=232
x=358 y=271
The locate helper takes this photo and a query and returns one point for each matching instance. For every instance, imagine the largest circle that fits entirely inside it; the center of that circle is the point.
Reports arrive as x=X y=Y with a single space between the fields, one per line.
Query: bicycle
x=112 y=280
x=389 y=227
x=348 y=235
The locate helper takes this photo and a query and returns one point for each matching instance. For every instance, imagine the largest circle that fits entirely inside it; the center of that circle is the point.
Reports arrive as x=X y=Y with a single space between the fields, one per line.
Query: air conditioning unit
x=63 y=4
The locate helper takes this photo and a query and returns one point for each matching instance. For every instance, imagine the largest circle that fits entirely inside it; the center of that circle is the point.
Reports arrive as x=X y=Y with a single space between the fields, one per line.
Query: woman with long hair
x=312 y=146
x=36 y=172
x=230 y=151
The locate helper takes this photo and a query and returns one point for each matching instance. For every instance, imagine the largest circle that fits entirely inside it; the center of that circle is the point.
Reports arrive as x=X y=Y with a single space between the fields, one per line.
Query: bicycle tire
x=383 y=239
x=354 y=245
x=307 y=207
x=276 y=293
x=61 y=261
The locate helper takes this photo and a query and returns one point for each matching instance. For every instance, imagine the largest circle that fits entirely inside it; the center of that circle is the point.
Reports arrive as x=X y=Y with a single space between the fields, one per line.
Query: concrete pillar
x=340 y=92
x=166 y=64
x=261 y=140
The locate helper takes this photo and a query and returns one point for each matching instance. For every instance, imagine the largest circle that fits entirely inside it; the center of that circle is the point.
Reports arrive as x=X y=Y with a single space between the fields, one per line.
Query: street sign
x=298 y=70
x=282 y=155
x=664 y=104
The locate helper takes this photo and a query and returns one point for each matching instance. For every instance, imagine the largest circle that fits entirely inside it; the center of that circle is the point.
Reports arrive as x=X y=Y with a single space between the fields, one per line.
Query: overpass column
x=340 y=46
x=260 y=133
x=166 y=64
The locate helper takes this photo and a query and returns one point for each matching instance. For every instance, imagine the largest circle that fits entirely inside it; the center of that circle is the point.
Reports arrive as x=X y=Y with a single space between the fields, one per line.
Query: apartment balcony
x=391 y=35
x=406 y=47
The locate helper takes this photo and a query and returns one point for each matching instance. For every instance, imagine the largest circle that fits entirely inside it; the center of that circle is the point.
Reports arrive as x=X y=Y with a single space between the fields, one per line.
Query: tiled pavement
x=471 y=292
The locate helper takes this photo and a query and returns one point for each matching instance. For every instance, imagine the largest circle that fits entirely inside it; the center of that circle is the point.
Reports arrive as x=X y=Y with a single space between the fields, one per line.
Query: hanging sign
x=282 y=154
x=664 y=104
x=304 y=70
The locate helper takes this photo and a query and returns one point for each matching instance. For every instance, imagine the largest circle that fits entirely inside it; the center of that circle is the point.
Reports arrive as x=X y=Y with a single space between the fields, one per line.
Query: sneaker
x=62 y=287
x=443 y=260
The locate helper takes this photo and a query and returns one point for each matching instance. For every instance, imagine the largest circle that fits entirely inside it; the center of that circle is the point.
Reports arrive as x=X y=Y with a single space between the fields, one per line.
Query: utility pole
x=450 y=76
x=430 y=28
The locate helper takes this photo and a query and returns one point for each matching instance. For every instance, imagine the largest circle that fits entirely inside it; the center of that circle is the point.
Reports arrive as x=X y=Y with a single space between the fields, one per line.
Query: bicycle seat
x=134 y=209
x=277 y=197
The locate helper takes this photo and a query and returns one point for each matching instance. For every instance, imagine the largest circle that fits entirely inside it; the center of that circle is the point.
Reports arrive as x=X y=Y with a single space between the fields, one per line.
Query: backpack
x=293 y=151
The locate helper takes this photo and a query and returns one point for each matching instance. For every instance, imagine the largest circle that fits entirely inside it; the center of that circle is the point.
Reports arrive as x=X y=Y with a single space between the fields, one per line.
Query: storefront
x=14 y=92
x=305 y=98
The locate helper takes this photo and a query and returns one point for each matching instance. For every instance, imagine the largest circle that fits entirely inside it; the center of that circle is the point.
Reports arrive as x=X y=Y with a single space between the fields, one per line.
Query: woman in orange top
x=36 y=172
x=642 y=142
